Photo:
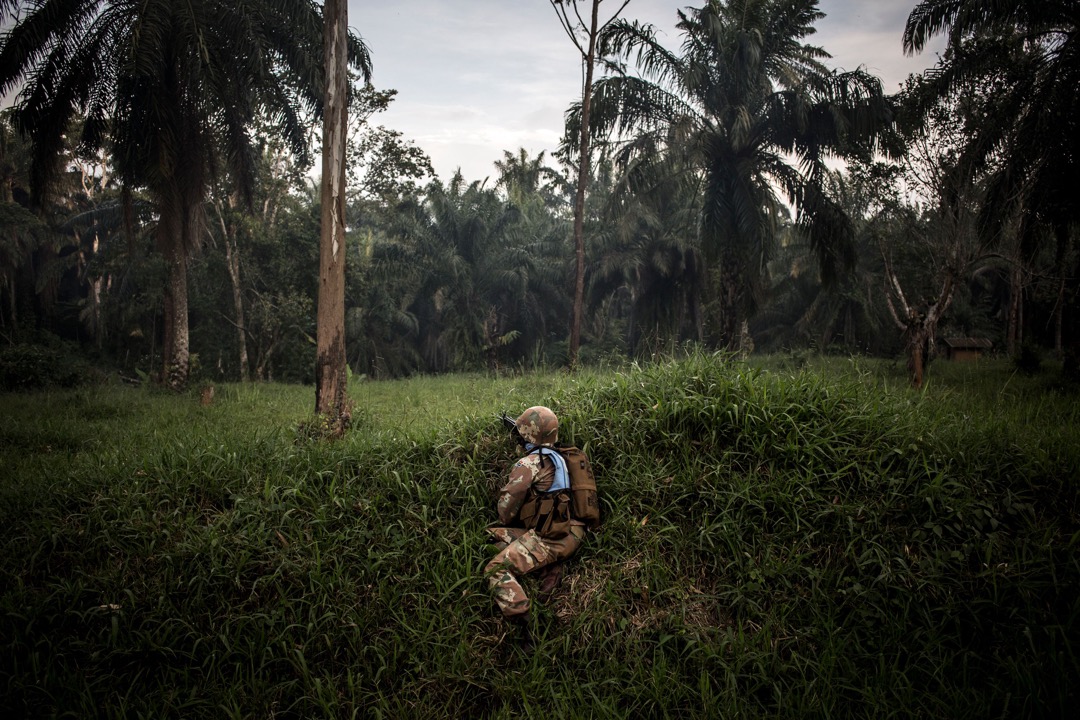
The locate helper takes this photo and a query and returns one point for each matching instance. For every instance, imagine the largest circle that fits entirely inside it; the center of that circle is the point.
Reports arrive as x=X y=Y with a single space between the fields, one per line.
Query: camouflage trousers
x=523 y=551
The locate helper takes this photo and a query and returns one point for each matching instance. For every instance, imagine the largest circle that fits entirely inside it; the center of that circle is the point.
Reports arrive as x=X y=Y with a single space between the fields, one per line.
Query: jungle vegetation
x=772 y=252
x=741 y=195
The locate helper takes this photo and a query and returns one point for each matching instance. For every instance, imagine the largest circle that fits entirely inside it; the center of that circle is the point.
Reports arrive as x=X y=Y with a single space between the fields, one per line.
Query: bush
x=1028 y=360
x=32 y=367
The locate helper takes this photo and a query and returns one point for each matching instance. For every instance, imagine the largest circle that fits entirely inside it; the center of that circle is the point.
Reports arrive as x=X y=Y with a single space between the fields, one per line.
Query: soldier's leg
x=523 y=555
x=563 y=548
x=500 y=537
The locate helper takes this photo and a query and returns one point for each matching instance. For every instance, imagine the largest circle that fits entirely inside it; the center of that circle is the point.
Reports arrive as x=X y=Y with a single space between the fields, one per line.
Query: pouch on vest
x=547 y=513
x=584 y=501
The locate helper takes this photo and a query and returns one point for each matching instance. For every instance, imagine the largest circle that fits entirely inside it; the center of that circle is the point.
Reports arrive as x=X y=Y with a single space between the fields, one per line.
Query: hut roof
x=969 y=343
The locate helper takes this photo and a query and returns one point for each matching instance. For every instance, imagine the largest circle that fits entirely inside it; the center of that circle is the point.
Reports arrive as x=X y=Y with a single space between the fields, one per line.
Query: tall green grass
x=815 y=542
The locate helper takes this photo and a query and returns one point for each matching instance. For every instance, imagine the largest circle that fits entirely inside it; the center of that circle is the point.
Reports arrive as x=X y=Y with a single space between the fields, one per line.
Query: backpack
x=549 y=513
x=584 y=501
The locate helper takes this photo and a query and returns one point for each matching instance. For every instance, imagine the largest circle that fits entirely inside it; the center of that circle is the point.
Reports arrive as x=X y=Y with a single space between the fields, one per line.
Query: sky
x=479 y=77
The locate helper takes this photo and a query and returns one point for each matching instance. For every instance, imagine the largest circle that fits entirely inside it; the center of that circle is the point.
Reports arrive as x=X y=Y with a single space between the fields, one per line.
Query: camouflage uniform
x=523 y=550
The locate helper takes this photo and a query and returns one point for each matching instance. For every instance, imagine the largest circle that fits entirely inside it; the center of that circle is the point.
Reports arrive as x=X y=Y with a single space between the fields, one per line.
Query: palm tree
x=756 y=114
x=522 y=179
x=21 y=228
x=532 y=294
x=1022 y=59
x=172 y=89
x=647 y=252
x=475 y=277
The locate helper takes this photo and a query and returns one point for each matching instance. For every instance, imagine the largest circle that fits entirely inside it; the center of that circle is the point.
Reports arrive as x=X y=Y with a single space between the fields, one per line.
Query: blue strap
x=562 y=475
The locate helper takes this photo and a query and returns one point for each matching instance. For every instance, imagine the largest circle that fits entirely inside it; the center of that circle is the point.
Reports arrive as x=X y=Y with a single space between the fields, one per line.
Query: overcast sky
x=477 y=77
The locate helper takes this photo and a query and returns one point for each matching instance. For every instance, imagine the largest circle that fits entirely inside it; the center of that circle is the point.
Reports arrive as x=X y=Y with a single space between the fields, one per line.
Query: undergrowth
x=775 y=543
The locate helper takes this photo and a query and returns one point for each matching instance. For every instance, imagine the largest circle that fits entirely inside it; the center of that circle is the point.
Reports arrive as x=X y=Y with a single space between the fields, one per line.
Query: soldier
x=536 y=529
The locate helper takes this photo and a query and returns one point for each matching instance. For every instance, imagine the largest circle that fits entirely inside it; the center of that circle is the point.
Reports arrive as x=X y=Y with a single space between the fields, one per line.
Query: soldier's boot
x=550 y=579
x=522 y=633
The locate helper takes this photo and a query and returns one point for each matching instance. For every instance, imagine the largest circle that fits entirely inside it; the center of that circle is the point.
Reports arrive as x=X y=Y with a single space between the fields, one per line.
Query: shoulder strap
x=562 y=475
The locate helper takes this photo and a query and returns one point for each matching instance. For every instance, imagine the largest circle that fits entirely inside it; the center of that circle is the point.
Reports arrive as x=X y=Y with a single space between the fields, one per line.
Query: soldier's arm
x=513 y=493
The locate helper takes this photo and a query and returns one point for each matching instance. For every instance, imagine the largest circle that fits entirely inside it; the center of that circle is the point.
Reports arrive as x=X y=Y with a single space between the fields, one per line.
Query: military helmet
x=538 y=425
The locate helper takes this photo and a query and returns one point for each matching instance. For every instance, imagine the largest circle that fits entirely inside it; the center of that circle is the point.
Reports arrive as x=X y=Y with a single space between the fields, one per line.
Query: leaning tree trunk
x=330 y=376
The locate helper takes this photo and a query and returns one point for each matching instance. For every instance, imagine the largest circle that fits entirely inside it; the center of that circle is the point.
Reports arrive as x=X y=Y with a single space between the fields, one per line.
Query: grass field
x=786 y=538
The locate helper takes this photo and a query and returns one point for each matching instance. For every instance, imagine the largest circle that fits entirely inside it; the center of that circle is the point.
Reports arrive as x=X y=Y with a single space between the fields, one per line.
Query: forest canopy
x=741 y=196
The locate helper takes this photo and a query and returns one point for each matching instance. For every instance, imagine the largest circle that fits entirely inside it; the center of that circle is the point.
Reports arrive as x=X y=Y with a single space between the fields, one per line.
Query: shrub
x=1028 y=360
x=32 y=367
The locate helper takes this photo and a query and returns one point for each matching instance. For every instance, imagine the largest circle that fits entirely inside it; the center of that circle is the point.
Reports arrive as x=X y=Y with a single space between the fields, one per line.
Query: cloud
x=869 y=33
x=477 y=77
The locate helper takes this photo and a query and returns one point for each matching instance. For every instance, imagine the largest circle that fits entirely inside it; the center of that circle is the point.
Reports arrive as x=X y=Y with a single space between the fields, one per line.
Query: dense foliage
x=749 y=108
x=163 y=89
x=455 y=274
x=783 y=543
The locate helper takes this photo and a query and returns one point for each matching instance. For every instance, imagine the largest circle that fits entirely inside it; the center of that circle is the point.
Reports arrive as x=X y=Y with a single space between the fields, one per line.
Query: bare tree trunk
x=696 y=318
x=1070 y=337
x=95 y=298
x=579 y=198
x=330 y=377
x=1062 y=234
x=166 y=329
x=232 y=262
x=633 y=333
x=179 y=223
x=588 y=59
x=13 y=304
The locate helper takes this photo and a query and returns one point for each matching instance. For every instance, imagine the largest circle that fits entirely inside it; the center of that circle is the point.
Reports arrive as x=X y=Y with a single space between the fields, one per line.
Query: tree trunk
x=1070 y=332
x=95 y=297
x=1015 y=333
x=918 y=343
x=1061 y=232
x=232 y=262
x=579 y=199
x=166 y=330
x=731 y=304
x=633 y=334
x=330 y=376
x=12 y=303
x=919 y=328
x=177 y=351
x=177 y=230
x=1059 y=313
